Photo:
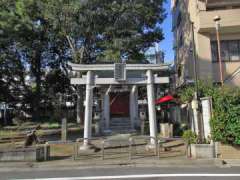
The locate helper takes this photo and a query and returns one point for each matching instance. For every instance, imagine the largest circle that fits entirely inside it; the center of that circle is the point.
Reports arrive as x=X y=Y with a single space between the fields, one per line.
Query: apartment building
x=195 y=18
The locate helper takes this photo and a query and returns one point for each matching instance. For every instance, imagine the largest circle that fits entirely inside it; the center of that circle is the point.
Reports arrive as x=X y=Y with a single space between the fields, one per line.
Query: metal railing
x=147 y=144
x=113 y=143
x=77 y=144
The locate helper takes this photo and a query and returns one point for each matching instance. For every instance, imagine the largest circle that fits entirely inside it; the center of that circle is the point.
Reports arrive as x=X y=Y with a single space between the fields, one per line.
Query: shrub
x=179 y=128
x=190 y=137
x=225 y=124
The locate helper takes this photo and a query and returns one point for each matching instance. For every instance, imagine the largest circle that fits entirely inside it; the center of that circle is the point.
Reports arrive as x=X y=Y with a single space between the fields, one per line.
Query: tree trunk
x=37 y=93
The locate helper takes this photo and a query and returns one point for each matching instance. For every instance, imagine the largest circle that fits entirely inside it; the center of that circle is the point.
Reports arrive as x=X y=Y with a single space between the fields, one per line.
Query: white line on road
x=139 y=176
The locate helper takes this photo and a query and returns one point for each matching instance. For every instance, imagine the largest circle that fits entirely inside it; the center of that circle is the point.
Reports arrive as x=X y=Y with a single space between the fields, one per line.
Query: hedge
x=225 y=124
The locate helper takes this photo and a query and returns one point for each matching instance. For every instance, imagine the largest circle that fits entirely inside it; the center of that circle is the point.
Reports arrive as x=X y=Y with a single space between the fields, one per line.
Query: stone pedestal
x=166 y=130
x=202 y=151
x=64 y=130
x=97 y=130
x=143 y=117
x=87 y=148
x=142 y=127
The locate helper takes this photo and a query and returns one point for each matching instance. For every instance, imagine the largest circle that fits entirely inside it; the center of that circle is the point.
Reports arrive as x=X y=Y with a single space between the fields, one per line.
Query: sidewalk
x=117 y=157
x=81 y=164
x=61 y=158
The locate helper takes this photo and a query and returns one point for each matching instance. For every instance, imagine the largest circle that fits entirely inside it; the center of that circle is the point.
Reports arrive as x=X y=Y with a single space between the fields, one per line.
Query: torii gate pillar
x=151 y=106
x=88 y=111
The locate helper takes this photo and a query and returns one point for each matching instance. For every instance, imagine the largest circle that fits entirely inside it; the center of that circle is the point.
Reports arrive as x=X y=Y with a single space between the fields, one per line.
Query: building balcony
x=211 y=4
x=229 y=21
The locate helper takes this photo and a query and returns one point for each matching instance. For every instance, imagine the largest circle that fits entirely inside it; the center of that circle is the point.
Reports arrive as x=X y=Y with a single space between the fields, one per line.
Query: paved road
x=127 y=173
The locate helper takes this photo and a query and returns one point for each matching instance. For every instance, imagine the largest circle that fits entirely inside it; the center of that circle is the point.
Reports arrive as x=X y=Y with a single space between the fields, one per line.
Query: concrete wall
x=26 y=154
x=204 y=62
x=202 y=151
x=229 y=20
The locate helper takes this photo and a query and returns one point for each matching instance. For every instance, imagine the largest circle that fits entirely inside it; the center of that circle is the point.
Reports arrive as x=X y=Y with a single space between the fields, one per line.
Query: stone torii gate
x=146 y=75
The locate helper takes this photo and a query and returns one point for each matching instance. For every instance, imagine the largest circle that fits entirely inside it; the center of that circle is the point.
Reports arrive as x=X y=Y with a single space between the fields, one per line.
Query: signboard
x=120 y=71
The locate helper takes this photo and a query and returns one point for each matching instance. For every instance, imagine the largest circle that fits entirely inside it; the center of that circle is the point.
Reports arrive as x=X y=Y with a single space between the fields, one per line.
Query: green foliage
x=204 y=89
x=226 y=118
x=179 y=129
x=35 y=36
x=130 y=27
x=189 y=137
x=50 y=125
x=226 y=110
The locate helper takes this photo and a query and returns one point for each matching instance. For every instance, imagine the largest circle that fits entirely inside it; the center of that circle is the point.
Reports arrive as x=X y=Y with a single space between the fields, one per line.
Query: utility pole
x=195 y=61
x=195 y=104
x=217 y=23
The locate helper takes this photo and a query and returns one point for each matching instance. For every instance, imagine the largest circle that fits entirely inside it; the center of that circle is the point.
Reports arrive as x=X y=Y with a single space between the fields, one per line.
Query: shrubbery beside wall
x=225 y=124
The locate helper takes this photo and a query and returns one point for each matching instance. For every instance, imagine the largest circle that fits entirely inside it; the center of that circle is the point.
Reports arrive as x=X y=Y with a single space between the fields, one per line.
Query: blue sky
x=167 y=44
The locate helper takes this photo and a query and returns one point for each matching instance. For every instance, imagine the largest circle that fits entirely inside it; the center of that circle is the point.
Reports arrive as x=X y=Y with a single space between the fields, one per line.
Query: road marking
x=139 y=176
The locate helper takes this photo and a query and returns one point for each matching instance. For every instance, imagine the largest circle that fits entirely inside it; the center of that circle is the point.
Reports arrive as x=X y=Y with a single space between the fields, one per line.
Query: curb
x=9 y=167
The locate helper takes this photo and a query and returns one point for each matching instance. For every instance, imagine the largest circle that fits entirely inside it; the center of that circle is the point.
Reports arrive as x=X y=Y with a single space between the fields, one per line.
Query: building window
x=214 y=51
x=179 y=71
x=234 y=51
x=230 y=50
x=179 y=19
x=225 y=51
x=180 y=43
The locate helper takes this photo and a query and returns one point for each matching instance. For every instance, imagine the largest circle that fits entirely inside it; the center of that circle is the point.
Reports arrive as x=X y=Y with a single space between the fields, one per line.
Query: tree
x=26 y=39
x=12 y=67
x=37 y=34
x=103 y=30
x=109 y=30
x=130 y=27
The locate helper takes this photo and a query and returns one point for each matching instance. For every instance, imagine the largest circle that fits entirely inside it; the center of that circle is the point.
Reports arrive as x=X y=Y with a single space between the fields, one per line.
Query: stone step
x=119 y=130
x=120 y=127
x=120 y=123
x=119 y=120
x=123 y=131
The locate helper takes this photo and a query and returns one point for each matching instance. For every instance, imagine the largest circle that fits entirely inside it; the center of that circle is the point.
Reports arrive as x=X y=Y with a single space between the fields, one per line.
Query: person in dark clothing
x=31 y=139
